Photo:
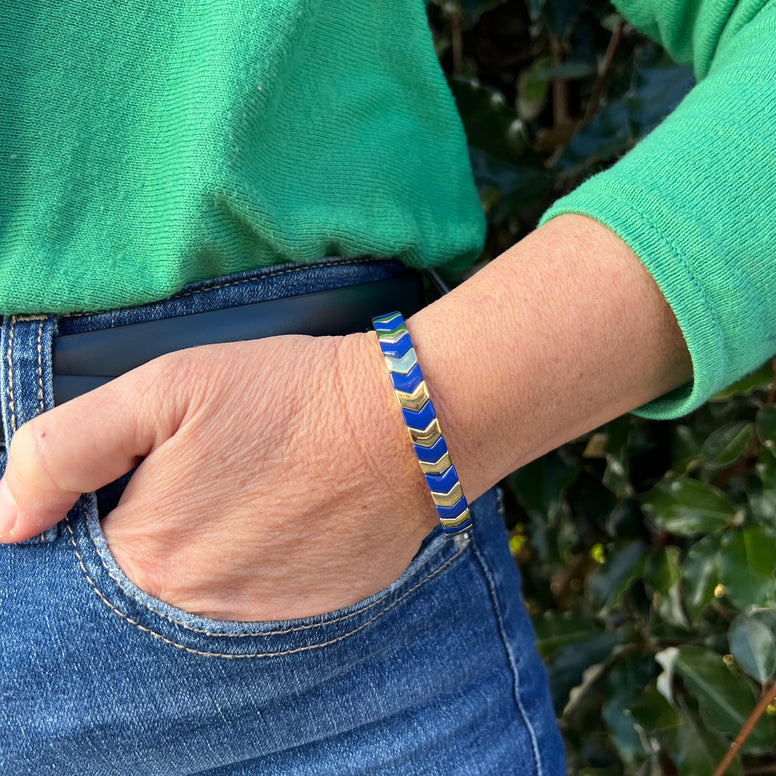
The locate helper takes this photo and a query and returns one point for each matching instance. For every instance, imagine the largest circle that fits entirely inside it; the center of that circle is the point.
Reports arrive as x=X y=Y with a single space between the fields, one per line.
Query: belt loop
x=25 y=378
x=25 y=369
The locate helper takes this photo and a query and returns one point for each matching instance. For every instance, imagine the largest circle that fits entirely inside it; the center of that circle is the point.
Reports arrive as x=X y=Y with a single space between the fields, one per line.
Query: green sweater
x=144 y=145
x=696 y=199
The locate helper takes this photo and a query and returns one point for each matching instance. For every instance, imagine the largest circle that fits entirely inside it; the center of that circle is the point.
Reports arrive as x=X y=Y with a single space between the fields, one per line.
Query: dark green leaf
x=505 y=186
x=557 y=629
x=652 y=712
x=625 y=684
x=657 y=87
x=753 y=646
x=727 y=444
x=603 y=138
x=688 y=507
x=696 y=750
x=766 y=427
x=610 y=581
x=661 y=578
x=541 y=486
x=725 y=700
x=532 y=89
x=617 y=476
x=746 y=563
x=761 y=489
x=489 y=122
x=685 y=448
x=567 y=666
x=700 y=575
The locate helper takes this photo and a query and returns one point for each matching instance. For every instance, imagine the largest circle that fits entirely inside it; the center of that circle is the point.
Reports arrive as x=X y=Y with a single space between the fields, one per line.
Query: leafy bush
x=647 y=548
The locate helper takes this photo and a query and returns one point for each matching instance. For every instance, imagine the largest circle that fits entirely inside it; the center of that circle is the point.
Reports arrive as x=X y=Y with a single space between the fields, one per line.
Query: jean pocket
x=229 y=639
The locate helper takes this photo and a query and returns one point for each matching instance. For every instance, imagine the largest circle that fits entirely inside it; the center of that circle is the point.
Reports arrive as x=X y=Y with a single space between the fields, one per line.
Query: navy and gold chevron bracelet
x=422 y=423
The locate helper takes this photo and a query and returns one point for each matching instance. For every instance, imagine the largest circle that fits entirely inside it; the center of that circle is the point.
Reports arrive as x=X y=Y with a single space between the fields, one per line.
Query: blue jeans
x=436 y=674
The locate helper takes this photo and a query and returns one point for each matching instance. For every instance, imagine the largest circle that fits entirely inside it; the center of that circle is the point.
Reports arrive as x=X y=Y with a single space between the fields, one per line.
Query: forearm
x=563 y=332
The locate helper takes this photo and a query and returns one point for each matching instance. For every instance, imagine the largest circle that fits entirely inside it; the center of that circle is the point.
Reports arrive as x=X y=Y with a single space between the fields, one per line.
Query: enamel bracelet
x=422 y=423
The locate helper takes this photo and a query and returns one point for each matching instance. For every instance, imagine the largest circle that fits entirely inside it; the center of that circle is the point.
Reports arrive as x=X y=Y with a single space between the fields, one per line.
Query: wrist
x=377 y=436
x=561 y=333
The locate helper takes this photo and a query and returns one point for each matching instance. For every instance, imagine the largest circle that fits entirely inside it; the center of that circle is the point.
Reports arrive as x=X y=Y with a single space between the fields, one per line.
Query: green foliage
x=647 y=549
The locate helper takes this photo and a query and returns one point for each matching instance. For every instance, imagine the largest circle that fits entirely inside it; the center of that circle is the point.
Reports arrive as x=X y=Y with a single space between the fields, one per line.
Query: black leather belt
x=87 y=360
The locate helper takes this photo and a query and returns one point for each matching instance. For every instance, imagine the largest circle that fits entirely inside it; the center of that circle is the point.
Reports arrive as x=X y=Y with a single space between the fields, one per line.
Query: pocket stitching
x=460 y=548
x=204 y=632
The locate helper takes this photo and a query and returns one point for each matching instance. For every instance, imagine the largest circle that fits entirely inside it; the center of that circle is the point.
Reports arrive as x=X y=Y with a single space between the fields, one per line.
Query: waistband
x=41 y=354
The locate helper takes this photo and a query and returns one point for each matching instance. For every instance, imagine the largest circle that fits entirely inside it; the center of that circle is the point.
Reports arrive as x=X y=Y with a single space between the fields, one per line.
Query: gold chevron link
x=451 y=522
x=415 y=400
x=449 y=499
x=437 y=467
x=428 y=436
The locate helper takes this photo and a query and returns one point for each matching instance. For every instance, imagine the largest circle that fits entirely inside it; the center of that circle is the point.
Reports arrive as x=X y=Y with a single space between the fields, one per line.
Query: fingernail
x=7 y=510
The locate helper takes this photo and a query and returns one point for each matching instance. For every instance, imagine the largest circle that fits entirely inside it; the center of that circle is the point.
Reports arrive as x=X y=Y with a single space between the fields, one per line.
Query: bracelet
x=422 y=423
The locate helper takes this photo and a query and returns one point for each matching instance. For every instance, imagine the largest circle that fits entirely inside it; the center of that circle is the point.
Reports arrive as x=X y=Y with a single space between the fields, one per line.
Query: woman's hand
x=275 y=477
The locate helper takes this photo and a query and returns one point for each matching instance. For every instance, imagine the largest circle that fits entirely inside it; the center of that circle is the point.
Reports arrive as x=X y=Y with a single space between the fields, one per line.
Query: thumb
x=80 y=446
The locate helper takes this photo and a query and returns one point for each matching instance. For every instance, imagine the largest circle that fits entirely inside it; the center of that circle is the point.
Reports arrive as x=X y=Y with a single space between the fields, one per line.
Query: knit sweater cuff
x=695 y=316
x=694 y=200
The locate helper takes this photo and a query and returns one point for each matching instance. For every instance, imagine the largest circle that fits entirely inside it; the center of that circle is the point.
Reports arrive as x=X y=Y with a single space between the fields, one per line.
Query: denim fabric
x=436 y=674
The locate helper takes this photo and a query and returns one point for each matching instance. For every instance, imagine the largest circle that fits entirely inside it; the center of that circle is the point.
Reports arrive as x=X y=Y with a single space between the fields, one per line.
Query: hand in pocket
x=275 y=478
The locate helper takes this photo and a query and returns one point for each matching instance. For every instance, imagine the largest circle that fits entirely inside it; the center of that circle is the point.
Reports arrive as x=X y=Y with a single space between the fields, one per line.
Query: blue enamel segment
x=388 y=321
x=444 y=482
x=431 y=454
x=454 y=511
x=396 y=349
x=456 y=529
x=421 y=418
x=407 y=383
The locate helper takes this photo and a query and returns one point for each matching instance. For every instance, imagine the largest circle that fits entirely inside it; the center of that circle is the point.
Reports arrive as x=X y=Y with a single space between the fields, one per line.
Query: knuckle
x=154 y=392
x=31 y=448
x=30 y=440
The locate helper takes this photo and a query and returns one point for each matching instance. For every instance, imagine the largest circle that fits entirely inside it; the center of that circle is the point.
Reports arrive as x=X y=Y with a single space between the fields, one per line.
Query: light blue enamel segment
x=397 y=348
x=449 y=513
x=421 y=418
x=388 y=321
x=409 y=382
x=433 y=453
x=404 y=364
x=391 y=335
x=444 y=482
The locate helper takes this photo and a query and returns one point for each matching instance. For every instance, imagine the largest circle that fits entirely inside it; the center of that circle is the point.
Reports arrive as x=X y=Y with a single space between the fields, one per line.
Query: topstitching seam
x=491 y=585
x=227 y=656
x=182 y=624
x=9 y=359
x=41 y=406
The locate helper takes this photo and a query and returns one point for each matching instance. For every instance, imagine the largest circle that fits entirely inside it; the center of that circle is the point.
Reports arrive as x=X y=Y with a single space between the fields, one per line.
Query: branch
x=603 y=73
x=768 y=697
